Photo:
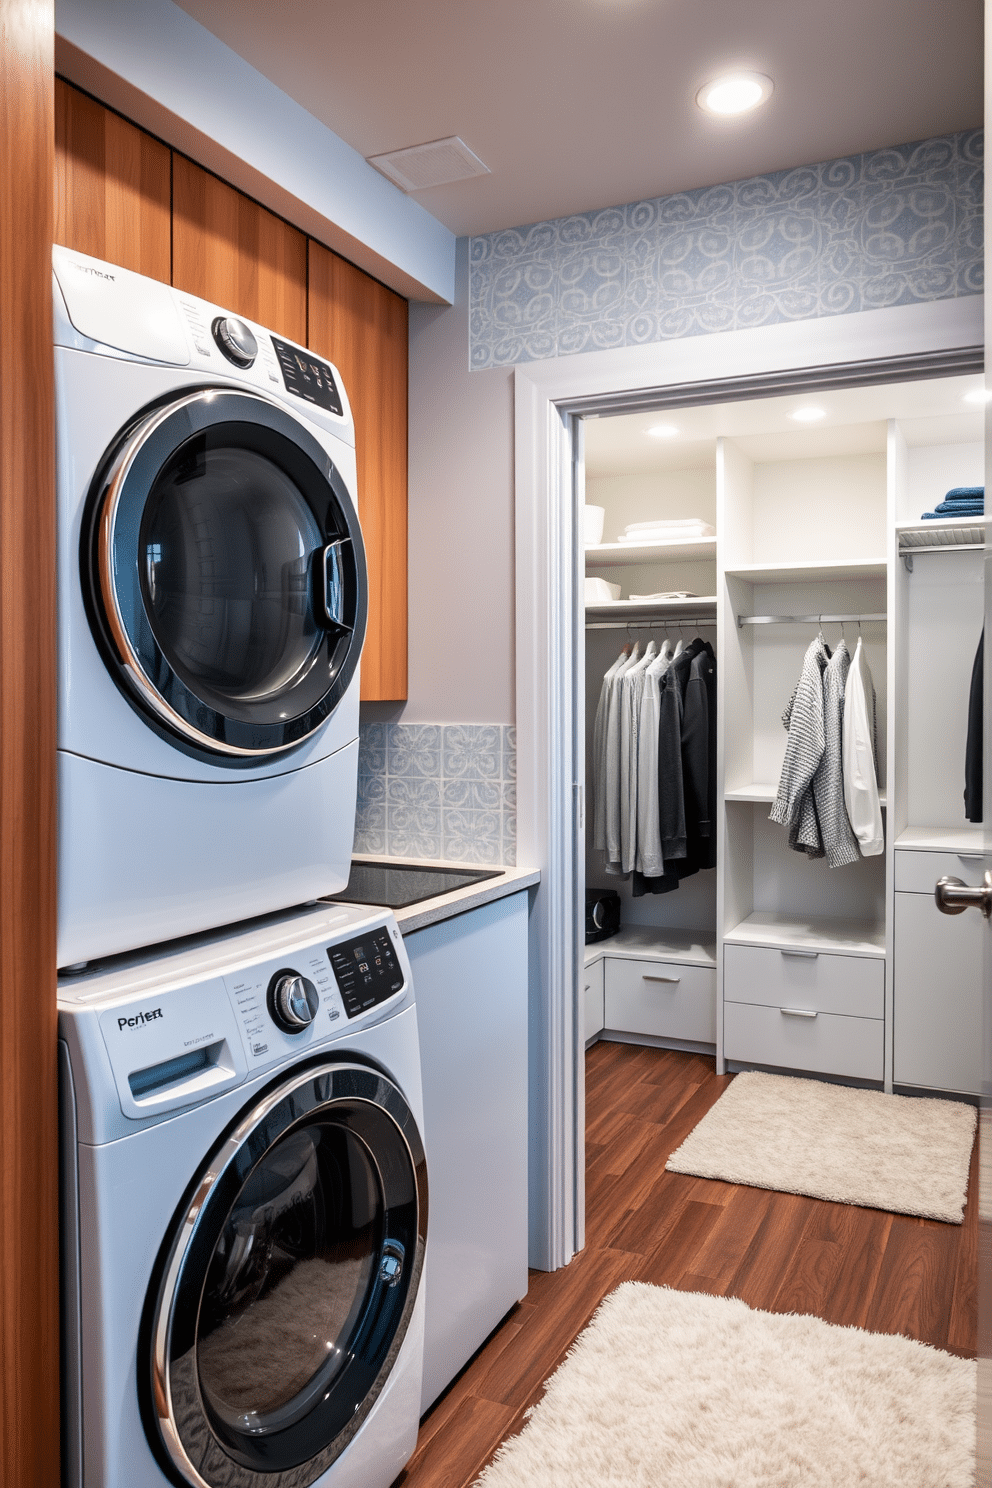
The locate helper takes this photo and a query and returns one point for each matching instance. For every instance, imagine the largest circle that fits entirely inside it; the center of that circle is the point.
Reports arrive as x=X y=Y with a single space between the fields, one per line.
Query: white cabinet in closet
x=656 y=979
x=803 y=527
x=937 y=596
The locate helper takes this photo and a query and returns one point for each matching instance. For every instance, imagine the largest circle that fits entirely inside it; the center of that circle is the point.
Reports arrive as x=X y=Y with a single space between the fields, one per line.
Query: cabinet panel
x=112 y=186
x=917 y=872
x=228 y=249
x=592 y=1001
x=937 y=1023
x=824 y=1043
x=361 y=327
x=664 y=998
x=820 y=982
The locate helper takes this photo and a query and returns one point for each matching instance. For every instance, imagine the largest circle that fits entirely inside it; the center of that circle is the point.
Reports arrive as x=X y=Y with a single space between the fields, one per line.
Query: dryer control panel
x=367 y=971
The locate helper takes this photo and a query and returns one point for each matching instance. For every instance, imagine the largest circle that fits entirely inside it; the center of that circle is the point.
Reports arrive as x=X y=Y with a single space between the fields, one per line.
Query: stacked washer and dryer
x=244 y=1182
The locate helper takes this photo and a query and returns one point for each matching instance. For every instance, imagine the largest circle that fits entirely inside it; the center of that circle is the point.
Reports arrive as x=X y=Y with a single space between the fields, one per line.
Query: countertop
x=456 y=901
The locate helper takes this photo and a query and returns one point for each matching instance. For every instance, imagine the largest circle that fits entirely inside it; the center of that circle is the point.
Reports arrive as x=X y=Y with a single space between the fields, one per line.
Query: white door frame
x=549 y=396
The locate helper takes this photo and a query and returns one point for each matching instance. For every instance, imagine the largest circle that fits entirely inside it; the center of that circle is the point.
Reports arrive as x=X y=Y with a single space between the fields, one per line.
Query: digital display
x=367 y=972
x=307 y=376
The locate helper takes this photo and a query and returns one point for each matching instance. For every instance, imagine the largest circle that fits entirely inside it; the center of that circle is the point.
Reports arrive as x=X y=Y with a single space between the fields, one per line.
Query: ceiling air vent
x=435 y=164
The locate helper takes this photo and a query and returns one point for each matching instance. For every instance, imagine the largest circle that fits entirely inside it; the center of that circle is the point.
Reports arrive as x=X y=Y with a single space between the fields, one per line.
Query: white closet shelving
x=851 y=971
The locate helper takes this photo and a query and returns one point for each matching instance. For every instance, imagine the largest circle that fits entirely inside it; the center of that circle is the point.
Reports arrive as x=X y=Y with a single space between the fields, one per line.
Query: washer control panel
x=367 y=971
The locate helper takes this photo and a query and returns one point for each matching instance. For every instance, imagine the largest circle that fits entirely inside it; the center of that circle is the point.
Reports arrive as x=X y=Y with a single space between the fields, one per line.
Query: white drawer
x=917 y=872
x=592 y=1000
x=824 y=1043
x=812 y=981
x=663 y=998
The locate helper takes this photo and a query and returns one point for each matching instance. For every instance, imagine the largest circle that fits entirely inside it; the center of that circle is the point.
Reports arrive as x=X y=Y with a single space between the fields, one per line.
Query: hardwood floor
x=886 y=1272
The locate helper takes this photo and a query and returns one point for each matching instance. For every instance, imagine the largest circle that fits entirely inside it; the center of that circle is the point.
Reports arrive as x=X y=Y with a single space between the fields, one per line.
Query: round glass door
x=225 y=572
x=290 y=1282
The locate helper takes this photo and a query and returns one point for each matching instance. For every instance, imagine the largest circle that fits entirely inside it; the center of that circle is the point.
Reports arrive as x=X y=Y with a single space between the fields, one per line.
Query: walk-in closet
x=809 y=513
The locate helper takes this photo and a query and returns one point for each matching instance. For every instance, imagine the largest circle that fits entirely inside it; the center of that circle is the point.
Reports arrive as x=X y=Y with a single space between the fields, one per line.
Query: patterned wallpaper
x=891 y=227
x=433 y=790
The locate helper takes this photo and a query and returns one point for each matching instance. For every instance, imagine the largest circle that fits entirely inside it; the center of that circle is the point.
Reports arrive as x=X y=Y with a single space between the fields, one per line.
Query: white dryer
x=244 y=1209
x=212 y=608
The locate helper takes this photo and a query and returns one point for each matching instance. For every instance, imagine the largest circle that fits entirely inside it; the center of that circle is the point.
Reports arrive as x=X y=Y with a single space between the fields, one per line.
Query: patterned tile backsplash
x=438 y=790
x=890 y=227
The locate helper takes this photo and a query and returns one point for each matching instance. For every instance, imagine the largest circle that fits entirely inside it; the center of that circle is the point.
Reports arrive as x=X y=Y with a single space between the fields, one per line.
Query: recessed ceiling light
x=734 y=93
x=978 y=395
x=809 y=415
x=663 y=431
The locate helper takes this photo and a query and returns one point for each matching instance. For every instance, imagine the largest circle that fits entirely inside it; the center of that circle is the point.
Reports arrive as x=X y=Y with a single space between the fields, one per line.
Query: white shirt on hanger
x=649 y=859
x=861 y=798
x=599 y=752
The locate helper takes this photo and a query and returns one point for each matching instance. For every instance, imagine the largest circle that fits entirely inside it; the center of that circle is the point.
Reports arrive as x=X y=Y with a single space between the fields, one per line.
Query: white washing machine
x=244 y=1209
x=212 y=608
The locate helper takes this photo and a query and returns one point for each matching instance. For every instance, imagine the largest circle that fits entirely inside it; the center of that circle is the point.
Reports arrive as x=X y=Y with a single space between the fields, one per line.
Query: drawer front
x=592 y=1003
x=853 y=986
x=825 y=1044
x=663 y=998
x=937 y=1024
x=917 y=872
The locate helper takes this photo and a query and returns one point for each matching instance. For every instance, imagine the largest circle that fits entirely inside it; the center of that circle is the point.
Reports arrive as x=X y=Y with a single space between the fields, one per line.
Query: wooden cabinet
x=361 y=327
x=125 y=197
x=228 y=249
x=112 y=186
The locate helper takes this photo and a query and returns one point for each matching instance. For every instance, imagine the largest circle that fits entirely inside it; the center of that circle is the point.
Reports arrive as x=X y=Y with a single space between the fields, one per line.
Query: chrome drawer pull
x=588 y=986
x=802 y=955
x=672 y=980
x=798 y=1013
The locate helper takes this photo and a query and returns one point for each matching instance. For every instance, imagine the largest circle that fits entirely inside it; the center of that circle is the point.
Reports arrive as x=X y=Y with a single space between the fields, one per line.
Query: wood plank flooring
x=782 y=1252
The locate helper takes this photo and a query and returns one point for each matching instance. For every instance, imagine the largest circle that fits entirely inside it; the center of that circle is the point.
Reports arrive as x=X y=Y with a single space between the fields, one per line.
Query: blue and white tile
x=416 y=791
x=370 y=827
x=414 y=749
x=472 y=795
x=509 y=771
x=412 y=842
x=371 y=789
x=472 y=836
x=372 y=748
x=509 y=848
x=471 y=751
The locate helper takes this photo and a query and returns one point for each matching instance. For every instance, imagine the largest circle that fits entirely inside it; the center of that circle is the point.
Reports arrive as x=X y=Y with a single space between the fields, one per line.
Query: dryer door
x=224 y=571
x=289 y=1282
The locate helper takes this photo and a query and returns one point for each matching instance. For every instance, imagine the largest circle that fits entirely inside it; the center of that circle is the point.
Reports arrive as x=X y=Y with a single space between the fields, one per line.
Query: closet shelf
x=627 y=555
x=964 y=533
x=648 y=943
x=963 y=839
x=762 y=791
x=787 y=932
x=830 y=569
x=661 y=609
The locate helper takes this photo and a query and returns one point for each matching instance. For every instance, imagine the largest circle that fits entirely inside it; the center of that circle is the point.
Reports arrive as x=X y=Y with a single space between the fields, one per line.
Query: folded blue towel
x=954 y=511
x=966 y=493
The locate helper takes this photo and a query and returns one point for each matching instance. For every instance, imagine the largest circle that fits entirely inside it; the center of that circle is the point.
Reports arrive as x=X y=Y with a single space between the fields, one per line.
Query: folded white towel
x=669 y=594
x=679 y=534
x=663 y=525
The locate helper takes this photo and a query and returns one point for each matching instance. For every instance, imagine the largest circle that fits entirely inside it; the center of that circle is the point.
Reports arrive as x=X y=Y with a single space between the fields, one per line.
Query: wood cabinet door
x=112 y=186
x=228 y=249
x=361 y=326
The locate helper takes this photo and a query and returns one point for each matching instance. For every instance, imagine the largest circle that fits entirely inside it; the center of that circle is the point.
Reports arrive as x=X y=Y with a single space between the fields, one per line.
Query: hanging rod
x=663 y=623
x=806 y=619
x=908 y=554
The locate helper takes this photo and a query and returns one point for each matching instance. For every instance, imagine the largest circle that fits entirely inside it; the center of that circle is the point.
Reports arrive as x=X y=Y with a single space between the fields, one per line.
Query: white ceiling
x=929 y=412
x=579 y=104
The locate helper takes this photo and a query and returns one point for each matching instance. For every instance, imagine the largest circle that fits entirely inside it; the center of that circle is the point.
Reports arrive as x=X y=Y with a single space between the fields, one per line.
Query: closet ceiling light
x=809 y=415
x=663 y=431
x=734 y=93
x=978 y=395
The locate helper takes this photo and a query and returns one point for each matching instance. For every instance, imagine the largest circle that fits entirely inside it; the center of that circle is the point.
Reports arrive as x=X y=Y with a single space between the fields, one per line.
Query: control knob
x=235 y=340
x=293 y=1001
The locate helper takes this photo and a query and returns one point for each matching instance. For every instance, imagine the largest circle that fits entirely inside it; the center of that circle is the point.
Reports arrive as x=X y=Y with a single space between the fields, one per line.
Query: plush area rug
x=668 y=1389
x=897 y=1152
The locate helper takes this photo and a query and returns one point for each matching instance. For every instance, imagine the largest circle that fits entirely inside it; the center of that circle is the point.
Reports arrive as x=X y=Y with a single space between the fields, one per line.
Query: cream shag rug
x=669 y=1389
x=862 y=1147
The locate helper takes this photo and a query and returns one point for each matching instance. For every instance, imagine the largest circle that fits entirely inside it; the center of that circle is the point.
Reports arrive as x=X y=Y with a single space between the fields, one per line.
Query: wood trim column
x=29 y=1322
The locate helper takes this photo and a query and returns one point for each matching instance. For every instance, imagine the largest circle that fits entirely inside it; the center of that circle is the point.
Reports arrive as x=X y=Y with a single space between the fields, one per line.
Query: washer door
x=224 y=571
x=289 y=1283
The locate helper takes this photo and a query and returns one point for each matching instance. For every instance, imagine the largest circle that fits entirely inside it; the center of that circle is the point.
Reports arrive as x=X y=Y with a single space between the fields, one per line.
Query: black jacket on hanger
x=699 y=759
x=976 y=739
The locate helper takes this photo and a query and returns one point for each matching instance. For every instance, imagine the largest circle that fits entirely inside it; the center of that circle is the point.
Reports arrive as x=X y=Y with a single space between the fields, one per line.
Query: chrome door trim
x=105 y=554
x=162 y=1402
